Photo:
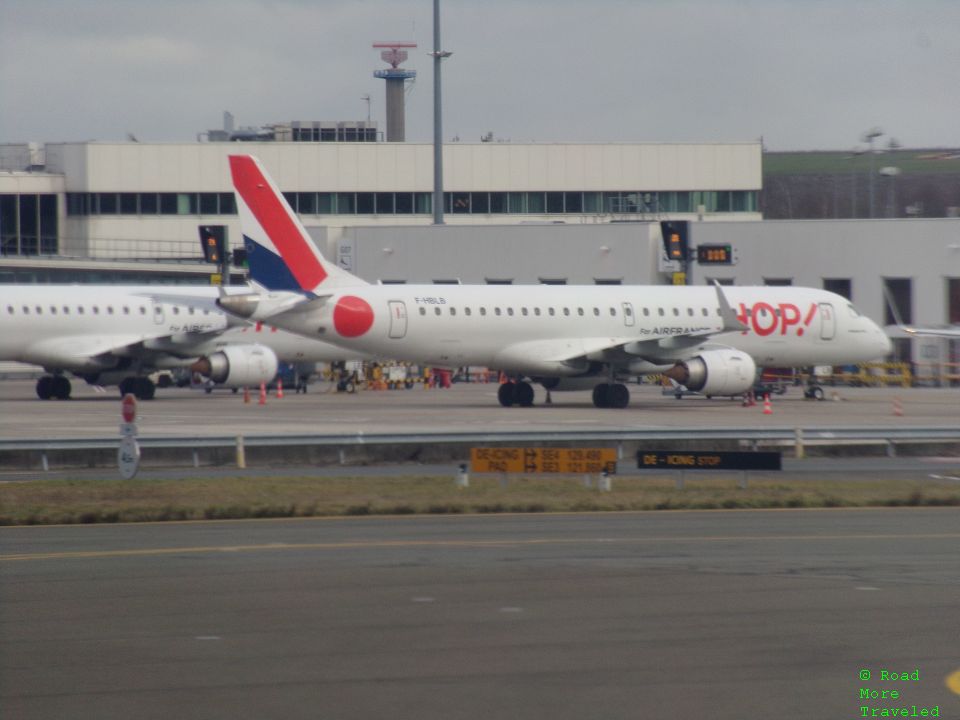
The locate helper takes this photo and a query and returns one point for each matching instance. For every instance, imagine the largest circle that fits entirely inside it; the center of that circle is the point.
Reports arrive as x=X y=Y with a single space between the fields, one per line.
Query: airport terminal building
x=137 y=200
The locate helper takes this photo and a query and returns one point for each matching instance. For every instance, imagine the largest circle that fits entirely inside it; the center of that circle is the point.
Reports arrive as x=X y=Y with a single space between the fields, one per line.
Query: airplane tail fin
x=280 y=253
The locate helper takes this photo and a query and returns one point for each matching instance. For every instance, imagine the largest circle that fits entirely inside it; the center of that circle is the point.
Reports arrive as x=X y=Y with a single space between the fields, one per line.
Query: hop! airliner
x=118 y=335
x=709 y=339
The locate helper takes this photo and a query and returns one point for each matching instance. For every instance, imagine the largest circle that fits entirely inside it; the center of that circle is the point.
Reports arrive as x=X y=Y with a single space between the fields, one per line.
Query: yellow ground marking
x=506 y=542
x=953 y=681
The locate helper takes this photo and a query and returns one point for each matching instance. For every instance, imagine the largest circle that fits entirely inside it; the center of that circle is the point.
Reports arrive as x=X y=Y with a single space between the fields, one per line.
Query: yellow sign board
x=679 y=278
x=543 y=460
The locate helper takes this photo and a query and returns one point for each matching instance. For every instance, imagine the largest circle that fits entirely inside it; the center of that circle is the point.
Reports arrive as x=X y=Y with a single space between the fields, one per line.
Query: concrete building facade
x=138 y=200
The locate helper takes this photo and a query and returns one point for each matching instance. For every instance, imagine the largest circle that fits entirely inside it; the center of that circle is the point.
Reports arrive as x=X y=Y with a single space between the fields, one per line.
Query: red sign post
x=129 y=408
x=128 y=454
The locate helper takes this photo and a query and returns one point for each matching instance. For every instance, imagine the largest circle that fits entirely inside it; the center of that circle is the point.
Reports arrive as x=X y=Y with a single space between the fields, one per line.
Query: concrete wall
x=383 y=167
x=522 y=254
x=865 y=251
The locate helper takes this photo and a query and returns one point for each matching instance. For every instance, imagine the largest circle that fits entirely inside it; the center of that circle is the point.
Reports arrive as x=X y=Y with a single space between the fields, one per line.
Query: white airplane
x=563 y=337
x=118 y=335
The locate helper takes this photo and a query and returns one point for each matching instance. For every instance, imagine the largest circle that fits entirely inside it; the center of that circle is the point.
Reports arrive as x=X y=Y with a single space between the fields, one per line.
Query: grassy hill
x=829 y=184
x=931 y=161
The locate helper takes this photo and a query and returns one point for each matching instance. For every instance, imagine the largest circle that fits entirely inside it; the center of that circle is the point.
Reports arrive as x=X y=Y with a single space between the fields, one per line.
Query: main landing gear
x=53 y=386
x=515 y=393
x=141 y=387
x=611 y=395
x=605 y=395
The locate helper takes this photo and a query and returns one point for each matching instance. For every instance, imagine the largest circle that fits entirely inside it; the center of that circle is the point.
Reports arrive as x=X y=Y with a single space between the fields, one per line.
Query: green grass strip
x=111 y=500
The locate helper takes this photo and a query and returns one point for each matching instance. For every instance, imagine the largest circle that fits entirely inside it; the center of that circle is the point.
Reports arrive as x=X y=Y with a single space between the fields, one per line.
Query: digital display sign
x=715 y=254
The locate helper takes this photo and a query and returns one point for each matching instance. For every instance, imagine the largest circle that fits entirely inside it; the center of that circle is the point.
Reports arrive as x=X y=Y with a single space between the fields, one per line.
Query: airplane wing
x=92 y=352
x=563 y=355
x=947 y=332
x=81 y=352
x=571 y=354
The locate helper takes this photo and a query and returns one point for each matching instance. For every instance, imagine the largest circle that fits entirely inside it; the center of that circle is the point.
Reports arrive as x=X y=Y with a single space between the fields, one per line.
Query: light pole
x=868 y=137
x=855 y=153
x=891 y=172
x=438 y=57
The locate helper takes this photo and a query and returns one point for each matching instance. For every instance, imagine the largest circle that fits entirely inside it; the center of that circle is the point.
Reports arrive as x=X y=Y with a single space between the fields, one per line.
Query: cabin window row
x=95 y=310
x=568 y=312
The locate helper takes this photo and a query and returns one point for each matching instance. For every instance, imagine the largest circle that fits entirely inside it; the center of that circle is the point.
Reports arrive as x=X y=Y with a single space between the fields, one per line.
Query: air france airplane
x=117 y=335
x=563 y=337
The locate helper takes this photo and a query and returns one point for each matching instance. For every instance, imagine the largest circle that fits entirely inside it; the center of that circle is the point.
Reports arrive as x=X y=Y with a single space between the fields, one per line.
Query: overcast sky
x=803 y=74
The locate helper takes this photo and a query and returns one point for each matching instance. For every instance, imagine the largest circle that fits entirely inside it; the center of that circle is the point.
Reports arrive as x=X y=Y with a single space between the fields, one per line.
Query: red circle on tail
x=352 y=316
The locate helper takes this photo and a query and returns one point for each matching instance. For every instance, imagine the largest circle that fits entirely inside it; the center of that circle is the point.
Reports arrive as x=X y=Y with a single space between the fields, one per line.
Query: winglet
x=730 y=320
x=894 y=310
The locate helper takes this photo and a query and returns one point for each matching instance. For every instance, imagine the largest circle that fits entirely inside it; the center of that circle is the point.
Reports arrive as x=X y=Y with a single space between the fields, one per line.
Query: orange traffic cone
x=279 y=389
x=767 y=407
x=246 y=395
x=897 y=407
x=263 y=393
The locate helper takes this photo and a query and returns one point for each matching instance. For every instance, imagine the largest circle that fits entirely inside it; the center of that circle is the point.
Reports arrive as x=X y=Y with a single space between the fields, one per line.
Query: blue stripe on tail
x=269 y=269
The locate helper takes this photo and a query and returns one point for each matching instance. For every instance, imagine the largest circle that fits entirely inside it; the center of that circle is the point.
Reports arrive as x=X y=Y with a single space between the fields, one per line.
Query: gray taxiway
x=726 y=615
x=463 y=407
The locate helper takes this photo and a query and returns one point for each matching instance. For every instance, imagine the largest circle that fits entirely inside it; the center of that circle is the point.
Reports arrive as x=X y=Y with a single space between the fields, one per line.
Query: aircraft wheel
x=524 y=394
x=45 y=387
x=507 y=394
x=145 y=389
x=601 y=395
x=618 y=396
x=128 y=386
x=61 y=387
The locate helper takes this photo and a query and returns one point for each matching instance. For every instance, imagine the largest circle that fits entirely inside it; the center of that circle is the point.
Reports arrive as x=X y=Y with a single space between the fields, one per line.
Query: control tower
x=393 y=54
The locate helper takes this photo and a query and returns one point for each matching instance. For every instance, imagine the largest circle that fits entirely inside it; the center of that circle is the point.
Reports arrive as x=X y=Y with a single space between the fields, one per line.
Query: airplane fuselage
x=120 y=334
x=704 y=338
x=518 y=327
x=64 y=326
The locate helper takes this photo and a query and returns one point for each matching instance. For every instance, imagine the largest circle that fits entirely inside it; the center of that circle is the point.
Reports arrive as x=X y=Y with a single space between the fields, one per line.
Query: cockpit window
x=853 y=311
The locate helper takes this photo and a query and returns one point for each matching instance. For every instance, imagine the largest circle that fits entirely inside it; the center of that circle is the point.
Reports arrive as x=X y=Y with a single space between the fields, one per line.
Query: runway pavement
x=463 y=407
x=722 y=615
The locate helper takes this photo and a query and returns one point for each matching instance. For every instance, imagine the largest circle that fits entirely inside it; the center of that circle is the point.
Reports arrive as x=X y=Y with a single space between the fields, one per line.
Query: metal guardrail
x=818 y=435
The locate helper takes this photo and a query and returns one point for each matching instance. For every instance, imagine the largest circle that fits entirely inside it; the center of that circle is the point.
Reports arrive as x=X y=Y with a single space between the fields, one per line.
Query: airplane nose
x=884 y=343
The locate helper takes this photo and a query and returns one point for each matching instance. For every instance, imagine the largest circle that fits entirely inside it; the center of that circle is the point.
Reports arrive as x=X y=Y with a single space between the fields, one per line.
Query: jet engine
x=239 y=365
x=716 y=372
